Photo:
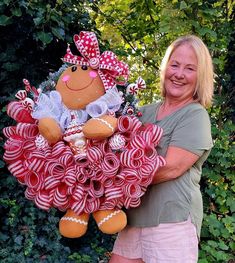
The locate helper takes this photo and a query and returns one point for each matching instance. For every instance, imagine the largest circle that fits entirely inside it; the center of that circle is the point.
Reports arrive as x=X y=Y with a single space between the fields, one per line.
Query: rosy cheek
x=93 y=74
x=167 y=74
x=65 y=78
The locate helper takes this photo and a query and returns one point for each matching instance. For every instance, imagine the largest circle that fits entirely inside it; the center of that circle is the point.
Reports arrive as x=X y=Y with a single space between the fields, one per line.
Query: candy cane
x=21 y=94
x=17 y=112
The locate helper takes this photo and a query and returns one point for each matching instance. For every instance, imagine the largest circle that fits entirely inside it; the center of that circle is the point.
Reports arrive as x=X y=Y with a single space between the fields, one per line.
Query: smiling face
x=181 y=74
x=78 y=86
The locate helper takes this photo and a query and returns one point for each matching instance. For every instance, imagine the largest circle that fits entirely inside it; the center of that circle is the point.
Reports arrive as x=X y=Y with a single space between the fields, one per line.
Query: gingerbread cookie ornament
x=74 y=149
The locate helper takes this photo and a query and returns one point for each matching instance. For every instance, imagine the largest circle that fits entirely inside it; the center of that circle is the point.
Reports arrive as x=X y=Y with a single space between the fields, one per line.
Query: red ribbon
x=104 y=179
x=18 y=112
x=109 y=68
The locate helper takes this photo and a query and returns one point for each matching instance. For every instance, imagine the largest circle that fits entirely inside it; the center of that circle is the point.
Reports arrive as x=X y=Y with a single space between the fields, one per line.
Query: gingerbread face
x=79 y=85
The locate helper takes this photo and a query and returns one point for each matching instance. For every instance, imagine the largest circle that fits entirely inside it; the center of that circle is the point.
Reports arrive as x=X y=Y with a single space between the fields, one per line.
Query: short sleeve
x=193 y=132
x=149 y=112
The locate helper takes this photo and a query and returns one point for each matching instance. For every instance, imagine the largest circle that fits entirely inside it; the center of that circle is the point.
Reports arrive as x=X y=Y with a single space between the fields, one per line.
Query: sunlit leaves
x=144 y=29
x=34 y=35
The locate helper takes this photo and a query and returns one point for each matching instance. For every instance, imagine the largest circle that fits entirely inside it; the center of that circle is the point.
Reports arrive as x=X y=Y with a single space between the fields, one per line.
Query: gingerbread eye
x=84 y=67
x=74 y=68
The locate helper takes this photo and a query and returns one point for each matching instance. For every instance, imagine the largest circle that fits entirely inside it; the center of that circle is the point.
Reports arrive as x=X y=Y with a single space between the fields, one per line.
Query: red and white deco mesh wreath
x=115 y=172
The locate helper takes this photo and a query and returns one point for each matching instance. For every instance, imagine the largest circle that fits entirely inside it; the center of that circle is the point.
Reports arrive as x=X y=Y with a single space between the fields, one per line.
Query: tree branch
x=123 y=34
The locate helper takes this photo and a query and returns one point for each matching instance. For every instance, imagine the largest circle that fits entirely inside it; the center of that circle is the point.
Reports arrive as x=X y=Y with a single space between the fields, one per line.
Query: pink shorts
x=174 y=242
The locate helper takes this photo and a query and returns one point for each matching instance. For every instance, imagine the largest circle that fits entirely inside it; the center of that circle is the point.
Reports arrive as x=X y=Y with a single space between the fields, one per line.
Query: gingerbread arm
x=100 y=128
x=50 y=130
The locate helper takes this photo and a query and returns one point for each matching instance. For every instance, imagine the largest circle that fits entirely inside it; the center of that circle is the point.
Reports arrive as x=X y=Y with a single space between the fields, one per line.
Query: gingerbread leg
x=72 y=226
x=110 y=221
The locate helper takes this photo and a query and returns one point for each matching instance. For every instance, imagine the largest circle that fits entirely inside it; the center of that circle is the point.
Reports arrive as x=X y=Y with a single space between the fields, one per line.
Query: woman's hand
x=178 y=161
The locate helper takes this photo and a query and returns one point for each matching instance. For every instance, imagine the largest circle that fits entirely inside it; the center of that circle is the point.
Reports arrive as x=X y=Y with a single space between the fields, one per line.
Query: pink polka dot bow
x=110 y=69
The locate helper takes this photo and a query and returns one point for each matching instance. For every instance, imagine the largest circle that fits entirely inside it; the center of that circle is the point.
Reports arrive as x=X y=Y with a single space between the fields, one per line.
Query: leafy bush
x=34 y=36
x=218 y=231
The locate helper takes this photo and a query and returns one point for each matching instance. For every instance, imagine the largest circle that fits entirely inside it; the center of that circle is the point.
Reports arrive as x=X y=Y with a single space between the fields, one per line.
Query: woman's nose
x=179 y=74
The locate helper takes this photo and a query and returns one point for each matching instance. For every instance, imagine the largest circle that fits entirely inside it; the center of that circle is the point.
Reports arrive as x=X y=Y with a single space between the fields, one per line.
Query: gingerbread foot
x=73 y=226
x=110 y=221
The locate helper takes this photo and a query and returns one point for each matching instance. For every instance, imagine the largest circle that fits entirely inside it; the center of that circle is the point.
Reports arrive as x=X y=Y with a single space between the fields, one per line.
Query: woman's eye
x=74 y=68
x=190 y=69
x=84 y=67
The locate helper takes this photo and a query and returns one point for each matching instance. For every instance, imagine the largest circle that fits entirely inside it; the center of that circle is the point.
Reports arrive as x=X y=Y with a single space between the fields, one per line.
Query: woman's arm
x=178 y=161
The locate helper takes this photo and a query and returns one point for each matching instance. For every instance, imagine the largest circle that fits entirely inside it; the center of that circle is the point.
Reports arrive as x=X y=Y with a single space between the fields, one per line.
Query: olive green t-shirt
x=173 y=201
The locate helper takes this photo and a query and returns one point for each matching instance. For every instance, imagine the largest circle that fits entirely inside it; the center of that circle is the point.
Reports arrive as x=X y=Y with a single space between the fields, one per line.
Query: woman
x=166 y=226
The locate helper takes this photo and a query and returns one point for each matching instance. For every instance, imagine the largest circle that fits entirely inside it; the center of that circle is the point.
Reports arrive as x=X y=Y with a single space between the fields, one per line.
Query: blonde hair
x=205 y=76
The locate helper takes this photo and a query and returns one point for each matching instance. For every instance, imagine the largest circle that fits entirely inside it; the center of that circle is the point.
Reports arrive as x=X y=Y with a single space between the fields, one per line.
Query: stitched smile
x=80 y=88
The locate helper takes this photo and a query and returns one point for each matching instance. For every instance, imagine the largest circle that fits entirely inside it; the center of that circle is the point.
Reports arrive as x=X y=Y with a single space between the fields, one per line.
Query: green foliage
x=34 y=35
x=218 y=238
x=146 y=28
